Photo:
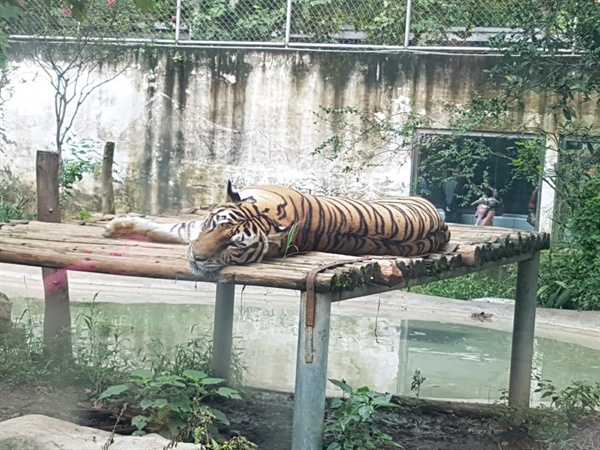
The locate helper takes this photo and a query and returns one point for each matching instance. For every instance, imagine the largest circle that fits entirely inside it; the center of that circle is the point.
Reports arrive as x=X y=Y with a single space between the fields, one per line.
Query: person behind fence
x=452 y=194
x=532 y=208
x=486 y=208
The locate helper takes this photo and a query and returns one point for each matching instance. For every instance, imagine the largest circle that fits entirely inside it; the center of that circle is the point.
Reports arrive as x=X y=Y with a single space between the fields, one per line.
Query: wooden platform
x=322 y=279
x=82 y=248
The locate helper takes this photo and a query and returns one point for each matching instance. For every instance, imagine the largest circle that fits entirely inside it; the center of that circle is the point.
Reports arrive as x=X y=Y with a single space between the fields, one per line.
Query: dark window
x=475 y=159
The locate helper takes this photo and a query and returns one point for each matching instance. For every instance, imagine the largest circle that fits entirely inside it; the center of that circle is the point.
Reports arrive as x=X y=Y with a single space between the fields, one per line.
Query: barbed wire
x=468 y=23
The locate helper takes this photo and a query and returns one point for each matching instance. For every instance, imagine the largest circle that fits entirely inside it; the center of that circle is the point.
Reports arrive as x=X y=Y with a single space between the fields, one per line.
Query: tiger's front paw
x=125 y=226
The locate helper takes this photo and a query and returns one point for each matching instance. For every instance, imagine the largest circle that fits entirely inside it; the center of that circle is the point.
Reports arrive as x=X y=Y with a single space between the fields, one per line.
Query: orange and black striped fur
x=271 y=220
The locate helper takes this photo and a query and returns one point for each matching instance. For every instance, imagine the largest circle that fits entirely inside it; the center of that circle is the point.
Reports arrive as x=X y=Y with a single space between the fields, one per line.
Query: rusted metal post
x=311 y=375
x=57 y=313
x=521 y=360
x=108 y=196
x=223 y=331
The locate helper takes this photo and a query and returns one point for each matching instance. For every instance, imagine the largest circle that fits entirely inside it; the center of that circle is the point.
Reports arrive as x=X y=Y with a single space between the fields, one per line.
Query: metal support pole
x=408 y=20
x=223 y=331
x=519 y=390
x=177 y=21
x=311 y=375
x=288 y=22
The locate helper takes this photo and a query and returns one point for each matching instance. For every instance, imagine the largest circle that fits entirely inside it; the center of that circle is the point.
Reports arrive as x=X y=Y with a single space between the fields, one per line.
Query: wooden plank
x=79 y=247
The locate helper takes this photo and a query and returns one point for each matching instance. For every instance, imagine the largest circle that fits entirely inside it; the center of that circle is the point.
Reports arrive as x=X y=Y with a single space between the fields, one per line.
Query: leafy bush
x=17 y=201
x=353 y=427
x=174 y=403
x=555 y=423
x=570 y=276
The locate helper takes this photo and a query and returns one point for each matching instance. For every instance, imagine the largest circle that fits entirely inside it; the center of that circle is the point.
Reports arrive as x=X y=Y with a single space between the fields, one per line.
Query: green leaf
x=181 y=403
x=219 y=416
x=149 y=403
x=113 y=391
x=365 y=412
x=229 y=393
x=140 y=422
x=342 y=385
x=336 y=403
x=194 y=374
x=212 y=381
x=142 y=373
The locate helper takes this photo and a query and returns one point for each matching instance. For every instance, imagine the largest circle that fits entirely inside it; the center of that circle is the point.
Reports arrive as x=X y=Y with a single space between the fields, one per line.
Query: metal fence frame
x=477 y=45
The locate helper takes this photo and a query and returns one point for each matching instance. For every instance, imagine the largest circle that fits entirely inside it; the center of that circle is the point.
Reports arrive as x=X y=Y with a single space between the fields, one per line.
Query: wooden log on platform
x=471 y=255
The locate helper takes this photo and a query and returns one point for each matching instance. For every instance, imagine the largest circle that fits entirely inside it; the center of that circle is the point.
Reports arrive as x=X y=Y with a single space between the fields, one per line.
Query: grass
x=102 y=356
x=498 y=283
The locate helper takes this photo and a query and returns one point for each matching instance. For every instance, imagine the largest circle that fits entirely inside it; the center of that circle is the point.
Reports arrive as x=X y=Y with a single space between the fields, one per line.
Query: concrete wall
x=186 y=120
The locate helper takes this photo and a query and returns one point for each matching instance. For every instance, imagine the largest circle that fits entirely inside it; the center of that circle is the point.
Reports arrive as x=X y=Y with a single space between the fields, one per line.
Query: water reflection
x=458 y=361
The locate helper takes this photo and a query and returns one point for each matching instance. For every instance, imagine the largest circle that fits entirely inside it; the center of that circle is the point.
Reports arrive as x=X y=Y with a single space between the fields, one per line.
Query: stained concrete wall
x=186 y=120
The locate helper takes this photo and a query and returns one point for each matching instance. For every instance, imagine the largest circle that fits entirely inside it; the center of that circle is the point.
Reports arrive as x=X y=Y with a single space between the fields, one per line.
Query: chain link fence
x=367 y=23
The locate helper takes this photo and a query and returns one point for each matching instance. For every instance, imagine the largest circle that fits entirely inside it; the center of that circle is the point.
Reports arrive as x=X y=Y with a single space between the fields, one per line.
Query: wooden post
x=57 y=314
x=108 y=196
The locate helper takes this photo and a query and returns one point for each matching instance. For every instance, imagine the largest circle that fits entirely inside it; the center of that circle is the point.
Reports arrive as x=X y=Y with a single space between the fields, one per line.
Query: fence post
x=177 y=21
x=108 y=195
x=408 y=21
x=57 y=313
x=288 y=22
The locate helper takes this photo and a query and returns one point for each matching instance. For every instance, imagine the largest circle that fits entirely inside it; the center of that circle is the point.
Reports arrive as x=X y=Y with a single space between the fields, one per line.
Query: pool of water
x=458 y=361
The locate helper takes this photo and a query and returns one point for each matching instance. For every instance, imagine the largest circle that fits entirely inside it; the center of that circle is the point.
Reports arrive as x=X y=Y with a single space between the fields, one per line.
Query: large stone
x=37 y=432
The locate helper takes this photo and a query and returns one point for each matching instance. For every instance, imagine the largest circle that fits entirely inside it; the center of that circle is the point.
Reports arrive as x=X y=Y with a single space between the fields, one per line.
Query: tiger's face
x=232 y=234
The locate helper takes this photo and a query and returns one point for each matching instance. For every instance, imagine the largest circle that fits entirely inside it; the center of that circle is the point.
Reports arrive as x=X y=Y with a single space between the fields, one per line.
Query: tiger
x=274 y=221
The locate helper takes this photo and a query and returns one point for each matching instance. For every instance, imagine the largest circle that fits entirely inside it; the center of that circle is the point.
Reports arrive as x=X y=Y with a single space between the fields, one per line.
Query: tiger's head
x=236 y=232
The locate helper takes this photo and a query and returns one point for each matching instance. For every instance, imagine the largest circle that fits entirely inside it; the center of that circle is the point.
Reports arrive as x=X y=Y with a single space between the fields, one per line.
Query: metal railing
x=386 y=24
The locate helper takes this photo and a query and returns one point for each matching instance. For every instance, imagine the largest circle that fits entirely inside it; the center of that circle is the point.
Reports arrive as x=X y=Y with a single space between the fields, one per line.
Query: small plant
x=17 y=201
x=353 y=427
x=289 y=244
x=576 y=400
x=554 y=424
x=196 y=354
x=84 y=158
x=21 y=349
x=203 y=435
x=174 y=403
x=84 y=214
x=417 y=382
x=100 y=356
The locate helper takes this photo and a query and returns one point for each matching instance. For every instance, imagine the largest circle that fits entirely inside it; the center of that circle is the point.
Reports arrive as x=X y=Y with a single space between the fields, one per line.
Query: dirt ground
x=265 y=418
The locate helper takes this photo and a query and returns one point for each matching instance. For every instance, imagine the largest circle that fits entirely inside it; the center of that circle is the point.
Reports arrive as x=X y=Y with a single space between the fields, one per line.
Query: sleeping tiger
x=268 y=221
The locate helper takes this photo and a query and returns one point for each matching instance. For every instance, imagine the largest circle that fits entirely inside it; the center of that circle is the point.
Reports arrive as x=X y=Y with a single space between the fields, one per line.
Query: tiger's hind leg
x=144 y=229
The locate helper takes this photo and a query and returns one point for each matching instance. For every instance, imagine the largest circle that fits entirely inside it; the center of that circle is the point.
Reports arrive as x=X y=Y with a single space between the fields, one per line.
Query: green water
x=458 y=361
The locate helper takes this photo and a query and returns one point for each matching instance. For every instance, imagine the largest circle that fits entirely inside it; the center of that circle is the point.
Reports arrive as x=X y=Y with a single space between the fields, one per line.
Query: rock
x=5 y=314
x=37 y=432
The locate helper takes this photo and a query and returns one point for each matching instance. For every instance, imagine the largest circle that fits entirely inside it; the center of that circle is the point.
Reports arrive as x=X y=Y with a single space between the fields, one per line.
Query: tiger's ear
x=235 y=197
x=232 y=196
